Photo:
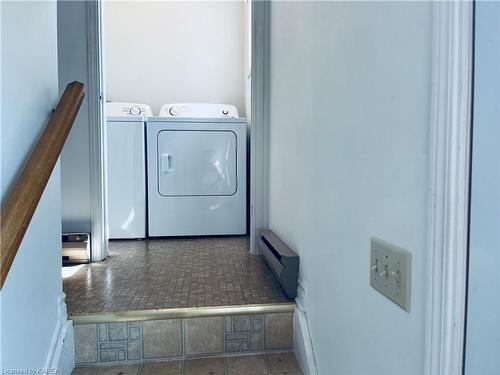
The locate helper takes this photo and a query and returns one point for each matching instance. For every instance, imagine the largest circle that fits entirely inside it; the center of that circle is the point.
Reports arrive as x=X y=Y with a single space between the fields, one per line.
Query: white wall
x=350 y=107
x=29 y=298
x=75 y=158
x=175 y=51
x=483 y=319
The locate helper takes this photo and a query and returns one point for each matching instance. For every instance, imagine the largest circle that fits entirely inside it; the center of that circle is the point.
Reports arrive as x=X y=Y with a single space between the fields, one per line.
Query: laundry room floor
x=171 y=273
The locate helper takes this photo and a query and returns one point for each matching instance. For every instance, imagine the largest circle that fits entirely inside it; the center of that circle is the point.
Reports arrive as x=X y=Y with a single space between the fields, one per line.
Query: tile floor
x=268 y=364
x=172 y=273
x=175 y=339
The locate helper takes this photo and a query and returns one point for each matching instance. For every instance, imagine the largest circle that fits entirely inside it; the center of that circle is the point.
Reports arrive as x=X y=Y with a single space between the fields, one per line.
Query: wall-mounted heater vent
x=282 y=260
x=75 y=248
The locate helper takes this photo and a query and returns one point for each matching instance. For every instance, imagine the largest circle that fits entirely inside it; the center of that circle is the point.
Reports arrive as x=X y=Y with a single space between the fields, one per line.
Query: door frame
x=450 y=152
x=258 y=129
x=97 y=131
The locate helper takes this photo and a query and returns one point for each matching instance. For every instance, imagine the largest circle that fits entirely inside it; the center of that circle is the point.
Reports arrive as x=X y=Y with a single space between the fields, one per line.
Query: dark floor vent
x=282 y=260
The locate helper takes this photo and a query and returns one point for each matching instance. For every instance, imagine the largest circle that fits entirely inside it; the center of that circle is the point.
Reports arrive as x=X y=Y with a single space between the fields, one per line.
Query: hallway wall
x=350 y=109
x=30 y=296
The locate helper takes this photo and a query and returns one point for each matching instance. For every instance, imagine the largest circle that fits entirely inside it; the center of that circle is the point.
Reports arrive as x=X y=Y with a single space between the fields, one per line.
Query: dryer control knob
x=135 y=111
x=174 y=111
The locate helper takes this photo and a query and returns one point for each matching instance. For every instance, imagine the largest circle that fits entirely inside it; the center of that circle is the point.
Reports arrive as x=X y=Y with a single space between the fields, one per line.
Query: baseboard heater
x=75 y=248
x=282 y=261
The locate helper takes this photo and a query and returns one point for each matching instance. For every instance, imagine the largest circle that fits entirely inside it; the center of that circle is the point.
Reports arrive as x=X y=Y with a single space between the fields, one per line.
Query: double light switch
x=390 y=271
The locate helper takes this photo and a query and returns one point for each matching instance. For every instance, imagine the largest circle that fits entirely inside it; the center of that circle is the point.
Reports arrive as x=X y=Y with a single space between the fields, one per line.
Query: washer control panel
x=128 y=109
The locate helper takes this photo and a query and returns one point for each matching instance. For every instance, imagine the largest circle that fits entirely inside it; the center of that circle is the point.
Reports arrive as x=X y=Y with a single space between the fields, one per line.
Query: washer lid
x=128 y=109
x=198 y=110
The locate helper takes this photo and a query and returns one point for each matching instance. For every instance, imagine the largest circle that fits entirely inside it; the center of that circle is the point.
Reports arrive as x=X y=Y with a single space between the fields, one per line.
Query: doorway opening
x=177 y=188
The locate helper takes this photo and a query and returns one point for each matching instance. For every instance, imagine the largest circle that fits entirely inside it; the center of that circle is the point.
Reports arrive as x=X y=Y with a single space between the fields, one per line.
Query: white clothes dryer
x=196 y=156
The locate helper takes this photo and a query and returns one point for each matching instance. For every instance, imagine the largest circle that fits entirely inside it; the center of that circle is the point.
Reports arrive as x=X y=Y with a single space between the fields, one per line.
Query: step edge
x=179 y=313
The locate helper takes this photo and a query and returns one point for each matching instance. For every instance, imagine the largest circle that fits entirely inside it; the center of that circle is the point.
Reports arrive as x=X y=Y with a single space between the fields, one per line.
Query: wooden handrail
x=23 y=199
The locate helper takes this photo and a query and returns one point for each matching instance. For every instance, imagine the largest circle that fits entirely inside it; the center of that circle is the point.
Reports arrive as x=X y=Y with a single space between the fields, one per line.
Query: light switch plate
x=390 y=271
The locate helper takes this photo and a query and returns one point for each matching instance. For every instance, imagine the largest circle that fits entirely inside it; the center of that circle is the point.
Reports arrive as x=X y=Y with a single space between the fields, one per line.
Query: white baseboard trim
x=302 y=343
x=61 y=354
x=300 y=300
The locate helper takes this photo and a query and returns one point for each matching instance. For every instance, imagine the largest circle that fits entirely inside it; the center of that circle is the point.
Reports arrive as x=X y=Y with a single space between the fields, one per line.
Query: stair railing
x=20 y=205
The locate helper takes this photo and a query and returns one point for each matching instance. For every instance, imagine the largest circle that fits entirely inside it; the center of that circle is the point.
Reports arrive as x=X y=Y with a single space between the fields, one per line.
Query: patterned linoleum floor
x=269 y=364
x=171 y=273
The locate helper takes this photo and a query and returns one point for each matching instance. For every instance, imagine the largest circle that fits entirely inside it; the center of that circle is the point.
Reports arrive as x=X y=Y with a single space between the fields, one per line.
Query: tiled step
x=128 y=340
x=268 y=364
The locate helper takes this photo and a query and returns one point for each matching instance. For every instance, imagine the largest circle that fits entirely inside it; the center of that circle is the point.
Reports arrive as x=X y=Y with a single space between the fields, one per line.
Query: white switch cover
x=390 y=271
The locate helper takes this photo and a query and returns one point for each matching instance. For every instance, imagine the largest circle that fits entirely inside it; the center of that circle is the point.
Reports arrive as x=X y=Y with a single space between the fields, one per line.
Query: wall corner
x=302 y=343
x=62 y=349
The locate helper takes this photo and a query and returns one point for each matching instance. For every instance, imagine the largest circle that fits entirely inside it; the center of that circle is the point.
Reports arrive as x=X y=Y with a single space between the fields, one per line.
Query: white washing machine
x=196 y=171
x=126 y=169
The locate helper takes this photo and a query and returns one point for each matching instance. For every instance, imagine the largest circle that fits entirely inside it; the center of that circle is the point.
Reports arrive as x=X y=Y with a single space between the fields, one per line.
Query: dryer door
x=194 y=163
